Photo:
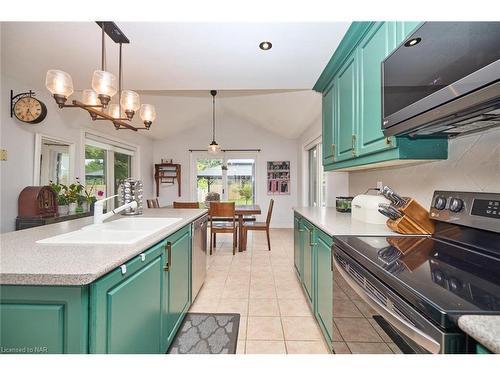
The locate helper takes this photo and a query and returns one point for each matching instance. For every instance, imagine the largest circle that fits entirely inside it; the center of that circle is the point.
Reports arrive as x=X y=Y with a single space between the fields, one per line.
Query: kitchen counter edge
x=485 y=329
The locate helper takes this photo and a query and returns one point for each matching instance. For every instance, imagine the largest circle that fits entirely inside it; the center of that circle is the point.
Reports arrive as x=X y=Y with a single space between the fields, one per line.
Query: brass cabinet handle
x=333 y=151
x=311 y=243
x=388 y=140
x=168 y=249
x=331 y=260
x=353 y=144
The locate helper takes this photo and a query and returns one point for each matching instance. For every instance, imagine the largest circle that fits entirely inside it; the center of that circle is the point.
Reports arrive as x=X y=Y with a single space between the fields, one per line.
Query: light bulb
x=59 y=83
x=130 y=100
x=148 y=112
x=89 y=97
x=213 y=148
x=104 y=84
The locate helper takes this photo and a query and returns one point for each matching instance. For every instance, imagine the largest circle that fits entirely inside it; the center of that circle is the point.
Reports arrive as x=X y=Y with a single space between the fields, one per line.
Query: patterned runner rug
x=207 y=334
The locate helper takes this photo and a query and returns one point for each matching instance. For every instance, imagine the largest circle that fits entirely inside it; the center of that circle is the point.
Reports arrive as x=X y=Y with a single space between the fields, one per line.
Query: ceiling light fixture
x=213 y=148
x=104 y=87
x=412 y=42
x=265 y=46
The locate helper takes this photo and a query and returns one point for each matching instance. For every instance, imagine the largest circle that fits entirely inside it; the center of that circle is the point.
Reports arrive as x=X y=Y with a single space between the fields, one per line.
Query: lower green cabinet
x=136 y=308
x=313 y=263
x=126 y=304
x=176 y=284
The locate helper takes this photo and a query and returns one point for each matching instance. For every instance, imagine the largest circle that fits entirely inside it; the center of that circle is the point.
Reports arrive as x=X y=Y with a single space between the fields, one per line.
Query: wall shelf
x=167 y=173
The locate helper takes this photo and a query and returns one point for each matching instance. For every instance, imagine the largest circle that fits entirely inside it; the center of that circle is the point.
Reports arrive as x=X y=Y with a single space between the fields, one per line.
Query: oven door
x=417 y=331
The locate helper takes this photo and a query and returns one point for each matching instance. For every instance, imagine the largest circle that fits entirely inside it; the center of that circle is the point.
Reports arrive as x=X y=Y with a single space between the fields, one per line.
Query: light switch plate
x=3 y=154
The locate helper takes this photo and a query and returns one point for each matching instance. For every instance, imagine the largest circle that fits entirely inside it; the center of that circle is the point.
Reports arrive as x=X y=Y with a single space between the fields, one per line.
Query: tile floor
x=263 y=288
x=275 y=317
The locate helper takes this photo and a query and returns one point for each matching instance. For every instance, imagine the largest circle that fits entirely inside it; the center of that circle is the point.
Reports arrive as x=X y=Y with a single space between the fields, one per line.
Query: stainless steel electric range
x=422 y=285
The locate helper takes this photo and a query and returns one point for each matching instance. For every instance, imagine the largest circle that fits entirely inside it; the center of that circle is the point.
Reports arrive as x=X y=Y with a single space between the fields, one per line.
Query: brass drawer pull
x=168 y=249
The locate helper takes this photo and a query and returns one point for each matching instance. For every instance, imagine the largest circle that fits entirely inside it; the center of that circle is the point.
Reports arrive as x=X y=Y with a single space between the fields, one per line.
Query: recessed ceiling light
x=265 y=46
x=412 y=42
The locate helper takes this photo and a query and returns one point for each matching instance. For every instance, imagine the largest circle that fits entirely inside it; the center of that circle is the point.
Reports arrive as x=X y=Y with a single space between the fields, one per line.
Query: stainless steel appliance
x=443 y=80
x=199 y=254
x=421 y=285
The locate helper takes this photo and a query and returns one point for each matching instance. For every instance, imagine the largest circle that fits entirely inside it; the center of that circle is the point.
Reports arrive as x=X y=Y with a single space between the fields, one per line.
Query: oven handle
x=407 y=329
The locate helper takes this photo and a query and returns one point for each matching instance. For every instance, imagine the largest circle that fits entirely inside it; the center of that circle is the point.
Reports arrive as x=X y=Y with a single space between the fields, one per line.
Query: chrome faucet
x=99 y=216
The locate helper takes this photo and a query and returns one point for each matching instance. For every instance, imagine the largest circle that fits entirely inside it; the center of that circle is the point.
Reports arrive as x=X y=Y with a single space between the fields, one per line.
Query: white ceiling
x=174 y=65
x=180 y=56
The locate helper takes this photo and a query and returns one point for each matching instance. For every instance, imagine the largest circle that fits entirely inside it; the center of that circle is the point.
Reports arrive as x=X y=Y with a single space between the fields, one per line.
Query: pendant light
x=213 y=148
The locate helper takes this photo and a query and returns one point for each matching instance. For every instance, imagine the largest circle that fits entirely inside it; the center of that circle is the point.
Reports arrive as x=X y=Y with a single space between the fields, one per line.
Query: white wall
x=337 y=183
x=233 y=133
x=473 y=164
x=19 y=140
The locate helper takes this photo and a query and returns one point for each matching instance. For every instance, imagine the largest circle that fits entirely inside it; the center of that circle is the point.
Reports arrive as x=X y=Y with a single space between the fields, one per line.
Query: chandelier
x=96 y=101
x=213 y=148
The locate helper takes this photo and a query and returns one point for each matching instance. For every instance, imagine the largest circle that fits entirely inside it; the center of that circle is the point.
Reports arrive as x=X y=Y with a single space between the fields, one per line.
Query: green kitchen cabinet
x=298 y=254
x=176 y=283
x=345 y=111
x=328 y=102
x=126 y=306
x=308 y=259
x=324 y=283
x=352 y=103
x=40 y=319
x=482 y=350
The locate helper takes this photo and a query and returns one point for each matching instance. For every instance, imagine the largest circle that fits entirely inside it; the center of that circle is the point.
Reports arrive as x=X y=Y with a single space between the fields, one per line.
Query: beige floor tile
x=236 y=291
x=336 y=336
x=294 y=307
x=395 y=349
x=357 y=330
x=306 y=347
x=263 y=307
x=242 y=332
x=207 y=307
x=300 y=328
x=240 y=347
x=293 y=292
x=262 y=292
x=344 y=308
x=265 y=347
x=369 y=348
x=340 y=348
x=233 y=305
x=264 y=328
x=365 y=308
x=379 y=330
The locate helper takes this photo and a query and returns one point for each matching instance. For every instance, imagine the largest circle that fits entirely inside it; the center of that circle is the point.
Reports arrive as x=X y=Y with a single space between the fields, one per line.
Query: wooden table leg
x=240 y=234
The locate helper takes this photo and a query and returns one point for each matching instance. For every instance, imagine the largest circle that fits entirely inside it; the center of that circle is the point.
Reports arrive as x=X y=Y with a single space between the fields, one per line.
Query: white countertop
x=485 y=329
x=335 y=223
x=25 y=262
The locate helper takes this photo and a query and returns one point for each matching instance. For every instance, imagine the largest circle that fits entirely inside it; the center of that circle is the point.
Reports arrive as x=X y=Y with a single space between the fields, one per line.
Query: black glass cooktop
x=441 y=280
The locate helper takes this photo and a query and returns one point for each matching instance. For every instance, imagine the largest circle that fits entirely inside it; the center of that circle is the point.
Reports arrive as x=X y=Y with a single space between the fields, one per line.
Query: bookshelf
x=278 y=177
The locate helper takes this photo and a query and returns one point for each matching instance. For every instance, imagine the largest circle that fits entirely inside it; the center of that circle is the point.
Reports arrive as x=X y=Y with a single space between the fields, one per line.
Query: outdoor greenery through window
x=232 y=179
x=95 y=168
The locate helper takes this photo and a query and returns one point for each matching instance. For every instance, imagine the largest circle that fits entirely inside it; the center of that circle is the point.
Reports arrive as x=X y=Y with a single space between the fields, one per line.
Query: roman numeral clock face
x=30 y=110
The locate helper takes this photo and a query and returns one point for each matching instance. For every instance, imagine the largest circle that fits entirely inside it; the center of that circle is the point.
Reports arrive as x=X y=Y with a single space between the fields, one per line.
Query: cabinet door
x=328 y=125
x=126 y=308
x=297 y=253
x=375 y=46
x=345 y=111
x=178 y=282
x=307 y=245
x=324 y=285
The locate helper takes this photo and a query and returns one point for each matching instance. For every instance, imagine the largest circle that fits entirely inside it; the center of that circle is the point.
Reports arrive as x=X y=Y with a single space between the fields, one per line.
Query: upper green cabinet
x=352 y=103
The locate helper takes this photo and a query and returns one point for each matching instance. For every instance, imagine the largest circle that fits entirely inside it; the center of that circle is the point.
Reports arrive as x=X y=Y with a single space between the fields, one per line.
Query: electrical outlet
x=380 y=185
x=3 y=154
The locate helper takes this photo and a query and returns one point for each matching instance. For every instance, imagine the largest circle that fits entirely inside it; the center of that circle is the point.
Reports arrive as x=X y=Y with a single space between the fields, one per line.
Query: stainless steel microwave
x=443 y=80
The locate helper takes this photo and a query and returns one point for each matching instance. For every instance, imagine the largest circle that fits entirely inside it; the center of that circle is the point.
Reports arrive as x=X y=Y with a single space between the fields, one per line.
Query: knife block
x=415 y=219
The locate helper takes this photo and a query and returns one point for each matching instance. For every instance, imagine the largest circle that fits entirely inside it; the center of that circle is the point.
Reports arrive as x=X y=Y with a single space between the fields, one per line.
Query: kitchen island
x=95 y=298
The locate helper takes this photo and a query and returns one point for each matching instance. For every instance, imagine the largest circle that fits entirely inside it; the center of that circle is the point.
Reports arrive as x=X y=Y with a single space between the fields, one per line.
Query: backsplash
x=473 y=165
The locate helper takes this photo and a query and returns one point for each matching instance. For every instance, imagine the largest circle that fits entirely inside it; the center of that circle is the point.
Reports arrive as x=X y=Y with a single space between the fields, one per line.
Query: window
x=316 y=177
x=231 y=176
x=107 y=164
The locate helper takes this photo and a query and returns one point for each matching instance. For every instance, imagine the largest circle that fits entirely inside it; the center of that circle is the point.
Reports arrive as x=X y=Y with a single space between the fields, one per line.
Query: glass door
x=240 y=181
x=96 y=169
x=313 y=176
x=209 y=178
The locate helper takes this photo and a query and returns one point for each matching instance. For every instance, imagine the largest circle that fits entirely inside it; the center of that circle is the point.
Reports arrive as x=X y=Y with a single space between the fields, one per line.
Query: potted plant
x=62 y=197
x=74 y=191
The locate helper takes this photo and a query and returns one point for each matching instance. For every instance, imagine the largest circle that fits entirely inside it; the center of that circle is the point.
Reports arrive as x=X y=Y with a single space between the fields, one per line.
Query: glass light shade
x=148 y=112
x=213 y=148
x=130 y=100
x=114 y=111
x=104 y=83
x=89 y=97
x=59 y=83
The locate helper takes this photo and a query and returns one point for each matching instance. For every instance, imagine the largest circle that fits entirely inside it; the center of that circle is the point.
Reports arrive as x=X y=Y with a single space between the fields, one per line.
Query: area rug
x=202 y=333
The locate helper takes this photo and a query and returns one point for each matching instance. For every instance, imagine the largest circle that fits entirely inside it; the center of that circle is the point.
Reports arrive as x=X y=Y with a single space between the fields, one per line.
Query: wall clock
x=26 y=108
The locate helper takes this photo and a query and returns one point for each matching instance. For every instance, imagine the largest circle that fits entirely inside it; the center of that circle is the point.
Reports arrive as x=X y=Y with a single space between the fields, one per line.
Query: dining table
x=241 y=211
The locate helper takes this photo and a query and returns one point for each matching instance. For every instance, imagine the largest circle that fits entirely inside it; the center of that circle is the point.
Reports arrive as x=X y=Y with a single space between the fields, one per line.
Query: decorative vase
x=72 y=208
x=62 y=209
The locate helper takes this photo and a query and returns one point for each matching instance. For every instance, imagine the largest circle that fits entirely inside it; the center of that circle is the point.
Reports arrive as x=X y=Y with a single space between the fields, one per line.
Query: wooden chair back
x=186 y=205
x=269 y=212
x=221 y=209
x=153 y=203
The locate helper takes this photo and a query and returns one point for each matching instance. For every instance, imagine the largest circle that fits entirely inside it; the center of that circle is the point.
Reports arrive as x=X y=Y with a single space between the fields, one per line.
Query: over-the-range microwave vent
x=447 y=84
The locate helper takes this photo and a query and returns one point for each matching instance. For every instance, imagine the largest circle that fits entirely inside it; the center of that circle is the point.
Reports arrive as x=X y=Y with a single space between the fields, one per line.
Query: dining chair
x=186 y=205
x=153 y=203
x=219 y=210
x=255 y=225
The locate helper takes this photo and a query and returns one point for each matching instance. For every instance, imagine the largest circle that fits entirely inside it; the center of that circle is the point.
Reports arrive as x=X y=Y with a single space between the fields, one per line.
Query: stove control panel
x=476 y=210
